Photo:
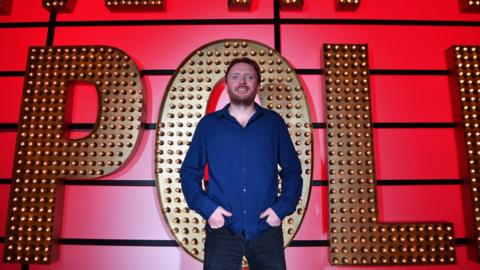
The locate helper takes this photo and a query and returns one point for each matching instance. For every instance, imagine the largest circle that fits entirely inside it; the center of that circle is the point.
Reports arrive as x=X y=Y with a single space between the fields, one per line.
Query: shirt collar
x=224 y=111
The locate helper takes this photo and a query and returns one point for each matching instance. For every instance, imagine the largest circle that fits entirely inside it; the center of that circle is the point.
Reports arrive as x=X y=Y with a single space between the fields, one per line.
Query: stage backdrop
x=115 y=222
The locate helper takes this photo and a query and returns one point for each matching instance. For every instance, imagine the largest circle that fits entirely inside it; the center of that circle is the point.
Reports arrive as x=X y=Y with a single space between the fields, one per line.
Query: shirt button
x=243 y=169
x=244 y=211
x=244 y=190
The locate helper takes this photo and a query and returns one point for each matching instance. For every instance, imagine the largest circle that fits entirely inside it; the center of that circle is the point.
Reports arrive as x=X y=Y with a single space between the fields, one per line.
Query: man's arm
x=192 y=172
x=291 y=173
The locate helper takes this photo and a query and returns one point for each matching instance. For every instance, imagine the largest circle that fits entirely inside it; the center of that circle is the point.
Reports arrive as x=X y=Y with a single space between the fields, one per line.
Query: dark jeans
x=224 y=250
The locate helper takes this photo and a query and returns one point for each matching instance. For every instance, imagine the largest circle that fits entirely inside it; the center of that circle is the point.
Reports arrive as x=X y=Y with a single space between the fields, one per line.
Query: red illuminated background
x=115 y=222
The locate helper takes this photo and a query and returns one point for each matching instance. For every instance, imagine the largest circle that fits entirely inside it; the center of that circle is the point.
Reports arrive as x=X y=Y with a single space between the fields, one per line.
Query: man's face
x=242 y=84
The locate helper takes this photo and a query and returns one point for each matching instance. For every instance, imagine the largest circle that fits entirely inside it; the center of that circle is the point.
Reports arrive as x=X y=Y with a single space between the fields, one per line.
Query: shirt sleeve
x=192 y=173
x=291 y=171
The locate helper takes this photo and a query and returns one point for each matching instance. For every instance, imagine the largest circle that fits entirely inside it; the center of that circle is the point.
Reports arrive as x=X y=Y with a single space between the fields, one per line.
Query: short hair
x=245 y=60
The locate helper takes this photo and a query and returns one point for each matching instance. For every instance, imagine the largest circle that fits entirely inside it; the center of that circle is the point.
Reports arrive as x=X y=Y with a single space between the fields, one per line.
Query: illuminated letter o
x=185 y=103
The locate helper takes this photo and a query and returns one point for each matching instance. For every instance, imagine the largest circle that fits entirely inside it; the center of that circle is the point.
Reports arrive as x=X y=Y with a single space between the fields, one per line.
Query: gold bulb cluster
x=43 y=158
x=58 y=5
x=239 y=4
x=291 y=4
x=349 y=5
x=135 y=4
x=467 y=74
x=185 y=103
x=470 y=5
x=356 y=236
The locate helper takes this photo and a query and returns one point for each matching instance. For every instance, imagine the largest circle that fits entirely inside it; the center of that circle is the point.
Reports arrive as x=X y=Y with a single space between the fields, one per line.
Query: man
x=242 y=145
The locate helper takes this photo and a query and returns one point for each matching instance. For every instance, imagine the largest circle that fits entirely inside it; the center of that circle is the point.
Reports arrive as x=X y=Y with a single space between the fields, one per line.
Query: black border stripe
x=315 y=125
x=191 y=22
x=51 y=28
x=299 y=71
x=118 y=242
x=464 y=241
x=315 y=183
x=420 y=182
x=154 y=72
x=415 y=125
x=395 y=72
x=116 y=183
x=381 y=22
x=420 y=72
x=12 y=73
x=245 y=21
x=5 y=181
x=23 y=24
x=403 y=182
x=276 y=26
x=173 y=243
x=309 y=243
x=25 y=266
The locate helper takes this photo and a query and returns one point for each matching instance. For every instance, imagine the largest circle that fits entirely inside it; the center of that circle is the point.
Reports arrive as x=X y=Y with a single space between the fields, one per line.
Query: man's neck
x=242 y=112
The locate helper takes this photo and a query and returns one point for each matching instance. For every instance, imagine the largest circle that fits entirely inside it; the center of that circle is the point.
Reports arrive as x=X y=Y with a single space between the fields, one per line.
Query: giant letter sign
x=43 y=159
x=465 y=71
x=356 y=236
x=185 y=102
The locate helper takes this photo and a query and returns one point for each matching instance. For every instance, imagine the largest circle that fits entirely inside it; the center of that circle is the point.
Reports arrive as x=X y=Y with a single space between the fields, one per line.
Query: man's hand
x=272 y=218
x=216 y=219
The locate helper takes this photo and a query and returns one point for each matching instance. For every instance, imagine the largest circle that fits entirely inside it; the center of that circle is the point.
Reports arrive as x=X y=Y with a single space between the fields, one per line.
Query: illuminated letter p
x=43 y=159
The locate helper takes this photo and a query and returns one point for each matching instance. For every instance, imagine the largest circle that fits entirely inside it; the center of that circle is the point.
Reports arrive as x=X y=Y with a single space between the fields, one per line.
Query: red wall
x=414 y=132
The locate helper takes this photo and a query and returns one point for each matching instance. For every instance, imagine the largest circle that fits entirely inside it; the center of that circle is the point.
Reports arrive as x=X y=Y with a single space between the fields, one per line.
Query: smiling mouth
x=242 y=89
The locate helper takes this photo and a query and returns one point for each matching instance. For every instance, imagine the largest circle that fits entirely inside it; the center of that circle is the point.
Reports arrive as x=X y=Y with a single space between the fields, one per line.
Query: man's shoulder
x=209 y=118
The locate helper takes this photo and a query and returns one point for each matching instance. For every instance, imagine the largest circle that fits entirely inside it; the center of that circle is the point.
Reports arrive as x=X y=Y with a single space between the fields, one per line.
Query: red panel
x=8 y=139
x=411 y=99
x=390 y=47
x=314 y=92
x=82 y=103
x=124 y=258
x=381 y=9
x=4 y=196
x=159 y=47
x=33 y=12
x=8 y=266
x=14 y=54
x=315 y=221
x=319 y=155
x=309 y=258
x=416 y=154
x=174 y=9
x=113 y=213
x=12 y=93
x=417 y=204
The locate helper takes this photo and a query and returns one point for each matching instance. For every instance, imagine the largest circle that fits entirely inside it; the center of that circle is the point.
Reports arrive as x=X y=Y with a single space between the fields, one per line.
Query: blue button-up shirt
x=242 y=169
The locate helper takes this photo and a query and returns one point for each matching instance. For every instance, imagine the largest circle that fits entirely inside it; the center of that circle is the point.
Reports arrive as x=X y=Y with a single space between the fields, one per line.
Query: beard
x=240 y=98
